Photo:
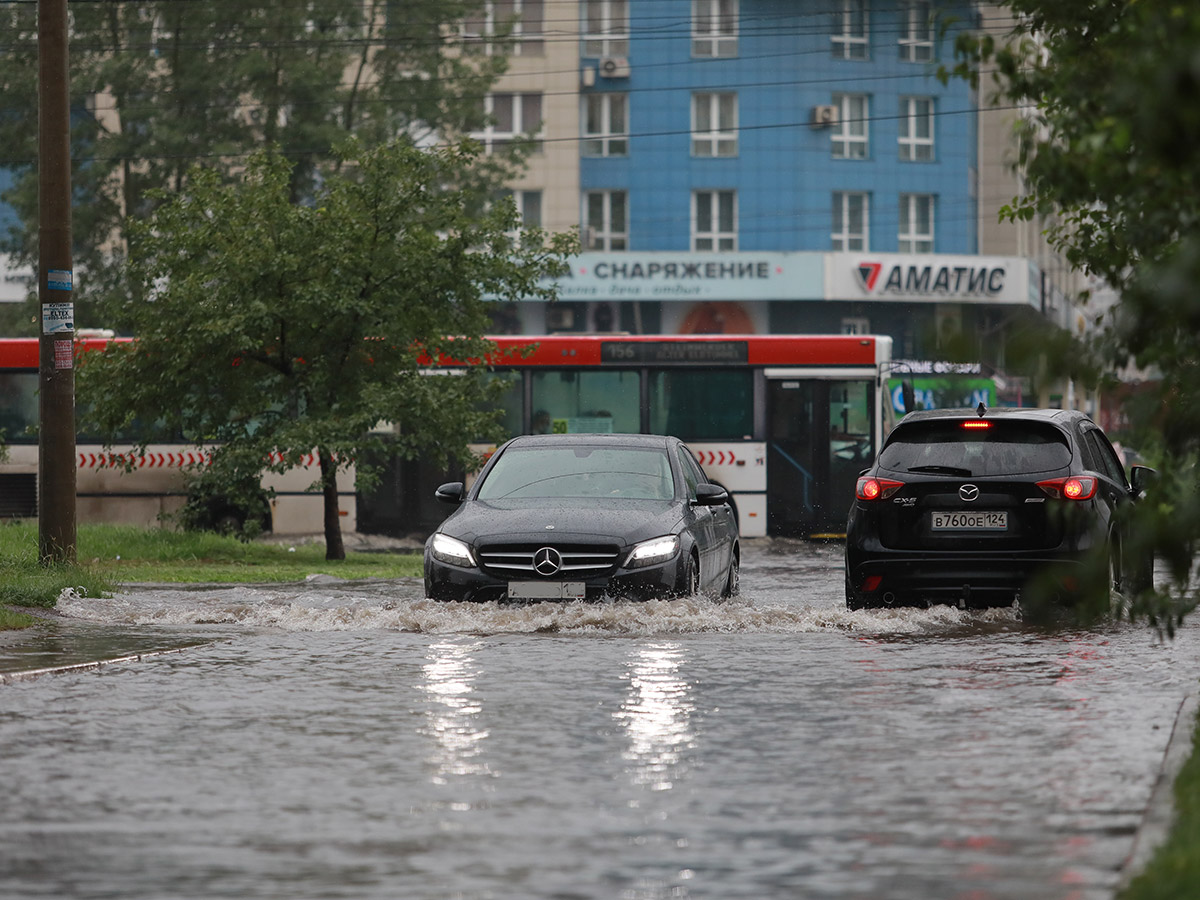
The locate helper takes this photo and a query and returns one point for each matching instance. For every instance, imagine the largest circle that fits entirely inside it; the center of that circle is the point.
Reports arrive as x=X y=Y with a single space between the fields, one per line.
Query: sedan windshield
x=563 y=472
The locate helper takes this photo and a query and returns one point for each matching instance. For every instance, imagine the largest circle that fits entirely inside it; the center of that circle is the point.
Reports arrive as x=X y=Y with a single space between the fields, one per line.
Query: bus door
x=819 y=436
x=791 y=456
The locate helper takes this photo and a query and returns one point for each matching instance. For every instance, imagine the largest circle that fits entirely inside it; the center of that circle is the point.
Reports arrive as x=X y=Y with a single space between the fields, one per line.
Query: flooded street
x=354 y=740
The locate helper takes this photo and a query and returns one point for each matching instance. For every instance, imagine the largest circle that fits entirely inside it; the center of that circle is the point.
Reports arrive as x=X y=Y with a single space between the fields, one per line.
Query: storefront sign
x=926 y=278
x=693 y=276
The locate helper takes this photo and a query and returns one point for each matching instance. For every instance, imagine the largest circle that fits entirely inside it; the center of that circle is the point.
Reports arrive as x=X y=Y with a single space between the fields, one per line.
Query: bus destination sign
x=674 y=352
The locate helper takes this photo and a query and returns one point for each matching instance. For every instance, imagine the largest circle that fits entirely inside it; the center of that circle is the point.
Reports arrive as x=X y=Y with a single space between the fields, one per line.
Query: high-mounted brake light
x=1074 y=487
x=869 y=488
x=975 y=423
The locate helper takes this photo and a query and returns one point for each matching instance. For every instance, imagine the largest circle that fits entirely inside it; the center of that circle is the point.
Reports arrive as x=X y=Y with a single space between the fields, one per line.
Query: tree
x=160 y=86
x=266 y=328
x=1111 y=148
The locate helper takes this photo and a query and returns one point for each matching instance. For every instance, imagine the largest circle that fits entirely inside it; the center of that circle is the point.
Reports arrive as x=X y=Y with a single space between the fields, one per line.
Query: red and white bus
x=784 y=422
x=155 y=487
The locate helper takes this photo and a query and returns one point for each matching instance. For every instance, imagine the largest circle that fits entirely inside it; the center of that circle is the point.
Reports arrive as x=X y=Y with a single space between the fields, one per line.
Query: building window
x=714 y=124
x=511 y=116
x=520 y=22
x=714 y=220
x=529 y=208
x=916 y=31
x=605 y=220
x=851 y=220
x=605 y=125
x=856 y=325
x=916 y=223
x=850 y=23
x=607 y=28
x=850 y=136
x=714 y=28
x=916 y=128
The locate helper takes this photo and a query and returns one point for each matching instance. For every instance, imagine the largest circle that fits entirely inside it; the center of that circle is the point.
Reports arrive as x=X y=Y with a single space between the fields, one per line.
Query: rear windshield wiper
x=942 y=470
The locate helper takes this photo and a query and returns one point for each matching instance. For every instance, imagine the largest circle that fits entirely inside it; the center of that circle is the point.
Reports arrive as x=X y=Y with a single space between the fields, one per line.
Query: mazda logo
x=969 y=492
x=547 y=561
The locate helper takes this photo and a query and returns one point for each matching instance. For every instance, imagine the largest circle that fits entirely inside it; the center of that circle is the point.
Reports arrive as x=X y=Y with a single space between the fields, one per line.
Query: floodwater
x=352 y=740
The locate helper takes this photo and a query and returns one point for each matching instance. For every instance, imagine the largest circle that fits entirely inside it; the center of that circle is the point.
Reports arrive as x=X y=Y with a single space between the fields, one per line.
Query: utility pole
x=56 y=372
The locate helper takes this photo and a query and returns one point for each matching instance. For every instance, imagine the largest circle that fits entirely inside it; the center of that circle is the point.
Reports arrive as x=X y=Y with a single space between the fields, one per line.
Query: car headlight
x=451 y=551
x=655 y=550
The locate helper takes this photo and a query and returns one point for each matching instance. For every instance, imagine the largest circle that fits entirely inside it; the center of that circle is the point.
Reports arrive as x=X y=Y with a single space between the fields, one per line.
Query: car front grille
x=583 y=561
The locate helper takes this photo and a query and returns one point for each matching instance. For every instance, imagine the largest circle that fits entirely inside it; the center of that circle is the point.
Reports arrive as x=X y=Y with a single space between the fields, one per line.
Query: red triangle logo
x=868 y=274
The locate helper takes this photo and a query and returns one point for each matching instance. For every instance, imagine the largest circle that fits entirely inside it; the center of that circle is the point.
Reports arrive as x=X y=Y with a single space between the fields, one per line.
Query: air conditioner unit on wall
x=614 y=67
x=824 y=116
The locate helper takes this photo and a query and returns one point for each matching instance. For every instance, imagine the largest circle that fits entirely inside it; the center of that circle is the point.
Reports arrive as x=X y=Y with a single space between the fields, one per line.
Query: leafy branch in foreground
x=1110 y=152
x=267 y=329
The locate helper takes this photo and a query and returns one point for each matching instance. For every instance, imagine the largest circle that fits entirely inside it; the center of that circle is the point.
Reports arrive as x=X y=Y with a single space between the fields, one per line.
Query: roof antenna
x=981 y=409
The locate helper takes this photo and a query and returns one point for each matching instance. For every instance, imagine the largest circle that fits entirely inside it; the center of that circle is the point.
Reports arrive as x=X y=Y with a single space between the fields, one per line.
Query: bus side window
x=19 y=408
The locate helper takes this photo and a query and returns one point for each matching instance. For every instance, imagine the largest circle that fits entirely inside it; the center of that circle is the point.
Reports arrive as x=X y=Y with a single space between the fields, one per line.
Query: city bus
x=784 y=422
x=154 y=487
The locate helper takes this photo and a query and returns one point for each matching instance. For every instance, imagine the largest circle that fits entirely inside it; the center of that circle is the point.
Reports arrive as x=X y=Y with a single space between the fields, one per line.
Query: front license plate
x=545 y=590
x=981 y=520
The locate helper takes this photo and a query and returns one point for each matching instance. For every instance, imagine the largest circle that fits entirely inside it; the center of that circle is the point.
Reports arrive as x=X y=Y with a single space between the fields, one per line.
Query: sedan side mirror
x=711 y=495
x=1140 y=478
x=451 y=492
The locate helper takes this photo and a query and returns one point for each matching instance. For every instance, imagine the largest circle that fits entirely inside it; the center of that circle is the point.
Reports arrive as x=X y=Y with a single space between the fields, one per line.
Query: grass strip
x=1174 y=870
x=111 y=554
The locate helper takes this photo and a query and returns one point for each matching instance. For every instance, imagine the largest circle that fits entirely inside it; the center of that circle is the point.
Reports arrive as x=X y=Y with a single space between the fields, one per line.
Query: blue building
x=765 y=125
x=809 y=144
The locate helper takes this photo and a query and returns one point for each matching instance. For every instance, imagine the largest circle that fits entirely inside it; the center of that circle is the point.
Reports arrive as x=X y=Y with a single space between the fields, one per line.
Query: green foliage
x=1174 y=870
x=24 y=581
x=1110 y=147
x=110 y=554
x=271 y=328
x=11 y=620
x=170 y=84
x=227 y=502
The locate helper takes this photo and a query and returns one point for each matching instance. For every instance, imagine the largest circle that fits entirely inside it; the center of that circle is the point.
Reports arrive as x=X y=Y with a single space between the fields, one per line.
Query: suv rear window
x=1003 y=448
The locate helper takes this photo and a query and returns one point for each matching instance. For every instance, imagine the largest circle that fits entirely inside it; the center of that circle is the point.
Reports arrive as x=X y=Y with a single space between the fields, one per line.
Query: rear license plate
x=546 y=590
x=981 y=520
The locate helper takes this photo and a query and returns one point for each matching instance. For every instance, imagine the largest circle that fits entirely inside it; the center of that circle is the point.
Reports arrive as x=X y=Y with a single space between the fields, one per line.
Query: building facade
x=764 y=166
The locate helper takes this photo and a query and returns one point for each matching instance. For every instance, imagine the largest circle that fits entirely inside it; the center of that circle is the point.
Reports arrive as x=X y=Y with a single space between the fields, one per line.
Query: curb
x=1160 y=811
x=31 y=674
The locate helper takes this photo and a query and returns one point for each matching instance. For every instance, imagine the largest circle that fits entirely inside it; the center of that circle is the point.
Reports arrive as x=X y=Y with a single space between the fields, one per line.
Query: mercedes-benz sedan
x=569 y=517
x=968 y=506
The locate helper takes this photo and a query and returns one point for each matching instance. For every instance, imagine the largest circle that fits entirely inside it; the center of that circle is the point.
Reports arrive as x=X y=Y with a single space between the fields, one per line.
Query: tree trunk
x=333 y=526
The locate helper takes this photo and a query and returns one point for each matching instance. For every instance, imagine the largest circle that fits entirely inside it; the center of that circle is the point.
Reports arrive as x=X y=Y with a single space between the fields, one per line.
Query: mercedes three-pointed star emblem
x=547 y=561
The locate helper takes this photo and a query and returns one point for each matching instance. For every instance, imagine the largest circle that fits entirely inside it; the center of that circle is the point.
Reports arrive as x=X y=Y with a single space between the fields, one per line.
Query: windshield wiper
x=942 y=470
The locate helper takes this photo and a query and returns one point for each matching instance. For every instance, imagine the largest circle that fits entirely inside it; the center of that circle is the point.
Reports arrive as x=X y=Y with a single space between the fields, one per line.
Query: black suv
x=966 y=506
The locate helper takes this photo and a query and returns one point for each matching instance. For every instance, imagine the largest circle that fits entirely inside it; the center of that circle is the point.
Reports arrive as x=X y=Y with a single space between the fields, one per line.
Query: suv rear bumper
x=967 y=580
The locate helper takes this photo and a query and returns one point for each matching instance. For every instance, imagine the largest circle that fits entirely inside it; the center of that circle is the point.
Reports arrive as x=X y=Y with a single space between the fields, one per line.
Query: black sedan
x=967 y=507
x=568 y=517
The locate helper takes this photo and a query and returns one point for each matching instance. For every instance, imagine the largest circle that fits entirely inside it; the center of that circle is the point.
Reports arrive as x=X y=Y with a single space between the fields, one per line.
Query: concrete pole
x=56 y=397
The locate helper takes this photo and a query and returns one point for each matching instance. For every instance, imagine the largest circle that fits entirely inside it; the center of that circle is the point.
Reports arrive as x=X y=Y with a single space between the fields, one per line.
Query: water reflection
x=656 y=716
x=453 y=711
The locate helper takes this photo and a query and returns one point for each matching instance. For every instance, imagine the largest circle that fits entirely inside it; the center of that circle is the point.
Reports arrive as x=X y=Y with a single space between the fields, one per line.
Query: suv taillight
x=1074 y=487
x=869 y=488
